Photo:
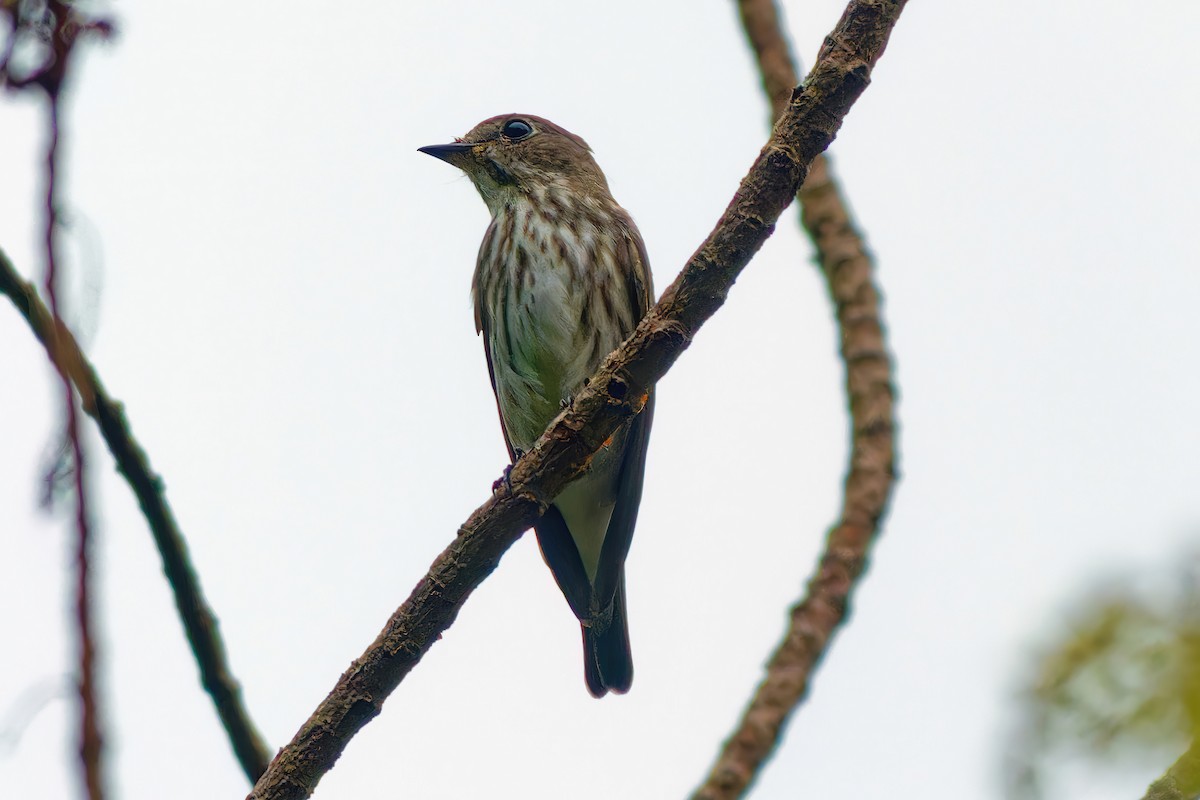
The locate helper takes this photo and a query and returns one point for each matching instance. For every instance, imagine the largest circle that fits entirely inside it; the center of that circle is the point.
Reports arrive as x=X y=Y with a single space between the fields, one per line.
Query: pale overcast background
x=275 y=284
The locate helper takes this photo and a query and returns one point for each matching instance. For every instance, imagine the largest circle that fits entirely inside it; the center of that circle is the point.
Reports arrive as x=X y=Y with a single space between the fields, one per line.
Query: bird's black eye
x=516 y=129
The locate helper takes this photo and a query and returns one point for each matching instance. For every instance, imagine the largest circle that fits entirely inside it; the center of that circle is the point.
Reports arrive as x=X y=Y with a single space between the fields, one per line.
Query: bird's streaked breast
x=547 y=274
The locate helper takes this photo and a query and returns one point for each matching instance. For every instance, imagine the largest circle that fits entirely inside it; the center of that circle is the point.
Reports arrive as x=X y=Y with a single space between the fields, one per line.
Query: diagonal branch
x=199 y=622
x=615 y=393
x=870 y=477
x=1182 y=780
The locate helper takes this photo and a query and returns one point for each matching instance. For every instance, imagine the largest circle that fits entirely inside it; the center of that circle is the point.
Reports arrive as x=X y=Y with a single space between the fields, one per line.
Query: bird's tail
x=607 y=660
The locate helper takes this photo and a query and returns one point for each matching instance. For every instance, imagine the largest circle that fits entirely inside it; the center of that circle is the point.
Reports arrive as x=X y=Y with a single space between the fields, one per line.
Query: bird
x=562 y=278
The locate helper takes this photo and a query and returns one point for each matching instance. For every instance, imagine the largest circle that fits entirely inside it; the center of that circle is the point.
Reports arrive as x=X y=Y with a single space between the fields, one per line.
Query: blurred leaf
x=1118 y=684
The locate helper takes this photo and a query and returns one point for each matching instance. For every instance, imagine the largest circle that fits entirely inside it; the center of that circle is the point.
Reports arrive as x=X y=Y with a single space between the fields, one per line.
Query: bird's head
x=514 y=154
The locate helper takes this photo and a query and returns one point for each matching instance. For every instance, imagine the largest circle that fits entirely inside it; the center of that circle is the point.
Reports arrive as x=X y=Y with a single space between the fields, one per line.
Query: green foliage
x=1120 y=684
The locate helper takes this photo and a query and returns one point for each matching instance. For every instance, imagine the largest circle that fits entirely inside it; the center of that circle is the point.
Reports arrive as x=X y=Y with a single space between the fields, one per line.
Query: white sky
x=283 y=308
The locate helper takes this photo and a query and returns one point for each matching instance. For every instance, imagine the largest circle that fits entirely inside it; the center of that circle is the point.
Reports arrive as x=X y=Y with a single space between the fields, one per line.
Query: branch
x=91 y=741
x=870 y=476
x=199 y=622
x=1182 y=781
x=60 y=26
x=615 y=393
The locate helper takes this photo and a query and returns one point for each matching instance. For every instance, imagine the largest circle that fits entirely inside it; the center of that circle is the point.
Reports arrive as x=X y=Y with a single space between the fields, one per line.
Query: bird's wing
x=636 y=437
x=562 y=556
x=483 y=325
x=629 y=498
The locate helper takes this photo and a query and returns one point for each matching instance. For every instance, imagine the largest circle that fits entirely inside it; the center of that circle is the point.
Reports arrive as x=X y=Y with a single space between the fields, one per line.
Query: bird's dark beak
x=448 y=152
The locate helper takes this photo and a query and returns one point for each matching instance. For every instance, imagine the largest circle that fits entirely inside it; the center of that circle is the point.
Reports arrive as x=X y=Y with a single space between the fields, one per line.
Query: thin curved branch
x=199 y=622
x=614 y=394
x=870 y=477
x=776 y=64
x=61 y=25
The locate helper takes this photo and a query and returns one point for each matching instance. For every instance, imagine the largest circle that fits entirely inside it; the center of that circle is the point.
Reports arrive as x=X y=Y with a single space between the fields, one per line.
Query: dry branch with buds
x=614 y=394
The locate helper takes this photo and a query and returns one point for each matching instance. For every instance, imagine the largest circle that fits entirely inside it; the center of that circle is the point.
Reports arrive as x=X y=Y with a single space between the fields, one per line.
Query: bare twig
x=90 y=739
x=64 y=27
x=61 y=25
x=613 y=395
x=869 y=479
x=199 y=621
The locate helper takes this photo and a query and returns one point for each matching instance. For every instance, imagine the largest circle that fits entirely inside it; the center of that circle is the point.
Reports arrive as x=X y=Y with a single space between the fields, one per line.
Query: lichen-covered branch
x=848 y=270
x=614 y=394
x=199 y=622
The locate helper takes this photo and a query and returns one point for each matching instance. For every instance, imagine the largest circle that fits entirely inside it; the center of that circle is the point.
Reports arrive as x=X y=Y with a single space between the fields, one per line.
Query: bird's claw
x=505 y=480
